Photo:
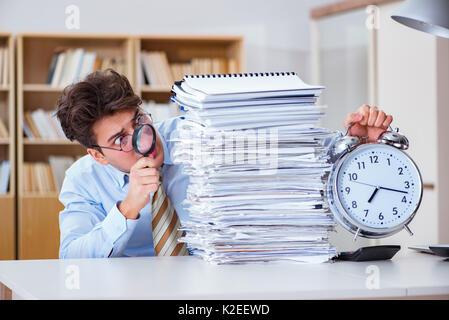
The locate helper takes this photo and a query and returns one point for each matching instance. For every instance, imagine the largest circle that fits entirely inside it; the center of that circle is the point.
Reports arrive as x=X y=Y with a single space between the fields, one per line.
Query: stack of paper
x=256 y=163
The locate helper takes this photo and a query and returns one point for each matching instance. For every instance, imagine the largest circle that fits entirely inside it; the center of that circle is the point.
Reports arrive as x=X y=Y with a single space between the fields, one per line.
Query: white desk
x=414 y=275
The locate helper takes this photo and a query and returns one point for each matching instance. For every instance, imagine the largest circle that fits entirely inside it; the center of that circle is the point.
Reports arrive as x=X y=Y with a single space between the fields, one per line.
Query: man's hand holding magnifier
x=143 y=177
x=143 y=180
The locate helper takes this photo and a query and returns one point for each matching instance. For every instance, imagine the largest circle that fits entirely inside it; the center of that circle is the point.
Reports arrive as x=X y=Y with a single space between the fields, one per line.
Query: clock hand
x=393 y=190
x=374 y=193
x=385 y=188
x=366 y=184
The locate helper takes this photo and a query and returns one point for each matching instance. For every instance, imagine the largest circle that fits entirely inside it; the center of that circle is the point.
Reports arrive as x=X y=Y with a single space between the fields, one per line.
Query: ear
x=98 y=156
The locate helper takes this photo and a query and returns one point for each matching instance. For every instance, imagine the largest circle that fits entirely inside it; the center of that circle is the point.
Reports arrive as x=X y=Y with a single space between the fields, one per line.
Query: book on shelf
x=209 y=66
x=161 y=111
x=59 y=165
x=179 y=70
x=45 y=177
x=38 y=177
x=5 y=171
x=42 y=124
x=4 y=66
x=71 y=65
x=156 y=70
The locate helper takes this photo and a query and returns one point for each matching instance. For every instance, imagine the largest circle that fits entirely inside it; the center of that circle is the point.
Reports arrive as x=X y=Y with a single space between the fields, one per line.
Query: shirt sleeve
x=87 y=231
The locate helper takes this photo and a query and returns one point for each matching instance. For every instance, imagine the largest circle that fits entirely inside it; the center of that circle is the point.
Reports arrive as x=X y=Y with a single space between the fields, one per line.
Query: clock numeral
x=404 y=199
x=366 y=212
x=407 y=184
x=374 y=159
x=395 y=211
x=388 y=160
x=353 y=176
x=361 y=165
x=347 y=189
x=381 y=217
x=400 y=171
x=354 y=204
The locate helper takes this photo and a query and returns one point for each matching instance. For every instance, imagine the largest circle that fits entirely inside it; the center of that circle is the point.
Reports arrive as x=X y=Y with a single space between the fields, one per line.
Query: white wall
x=407 y=83
x=276 y=31
x=412 y=81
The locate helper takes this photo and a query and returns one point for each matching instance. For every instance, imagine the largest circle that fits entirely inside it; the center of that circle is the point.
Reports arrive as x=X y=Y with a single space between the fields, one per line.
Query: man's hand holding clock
x=368 y=121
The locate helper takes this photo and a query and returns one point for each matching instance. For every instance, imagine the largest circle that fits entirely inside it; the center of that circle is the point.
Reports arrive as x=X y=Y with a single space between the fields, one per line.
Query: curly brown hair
x=82 y=104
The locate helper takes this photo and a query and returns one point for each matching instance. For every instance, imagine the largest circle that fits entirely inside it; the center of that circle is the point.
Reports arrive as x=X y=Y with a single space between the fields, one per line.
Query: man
x=110 y=194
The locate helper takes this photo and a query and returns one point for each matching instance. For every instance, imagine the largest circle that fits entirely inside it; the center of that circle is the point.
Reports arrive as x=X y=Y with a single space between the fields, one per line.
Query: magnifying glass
x=144 y=139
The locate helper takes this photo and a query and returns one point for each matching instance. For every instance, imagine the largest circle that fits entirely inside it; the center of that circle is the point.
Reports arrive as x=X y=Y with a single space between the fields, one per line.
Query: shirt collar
x=119 y=176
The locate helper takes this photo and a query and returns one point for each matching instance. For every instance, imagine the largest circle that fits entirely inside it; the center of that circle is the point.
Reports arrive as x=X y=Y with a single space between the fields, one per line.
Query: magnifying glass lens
x=144 y=139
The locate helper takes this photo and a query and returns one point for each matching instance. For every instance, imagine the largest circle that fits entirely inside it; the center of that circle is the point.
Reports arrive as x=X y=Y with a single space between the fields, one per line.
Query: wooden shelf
x=7 y=227
x=8 y=195
x=7 y=152
x=30 y=141
x=182 y=49
x=38 y=226
x=343 y=6
x=37 y=213
x=5 y=141
x=52 y=195
x=39 y=87
x=150 y=89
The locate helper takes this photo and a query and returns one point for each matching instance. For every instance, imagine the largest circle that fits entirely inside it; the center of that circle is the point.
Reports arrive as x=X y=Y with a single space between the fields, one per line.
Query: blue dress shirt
x=91 y=225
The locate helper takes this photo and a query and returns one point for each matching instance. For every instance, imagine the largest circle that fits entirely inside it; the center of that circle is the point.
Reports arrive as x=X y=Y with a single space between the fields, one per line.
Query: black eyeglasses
x=125 y=141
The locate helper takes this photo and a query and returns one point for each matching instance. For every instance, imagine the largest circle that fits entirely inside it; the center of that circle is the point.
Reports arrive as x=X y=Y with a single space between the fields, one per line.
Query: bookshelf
x=38 y=211
x=201 y=54
x=7 y=149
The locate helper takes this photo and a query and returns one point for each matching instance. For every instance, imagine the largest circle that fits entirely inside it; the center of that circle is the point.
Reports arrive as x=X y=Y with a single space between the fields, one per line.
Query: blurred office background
x=352 y=47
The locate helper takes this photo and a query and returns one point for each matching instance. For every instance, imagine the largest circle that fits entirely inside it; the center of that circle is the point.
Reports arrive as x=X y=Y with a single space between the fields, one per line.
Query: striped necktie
x=165 y=222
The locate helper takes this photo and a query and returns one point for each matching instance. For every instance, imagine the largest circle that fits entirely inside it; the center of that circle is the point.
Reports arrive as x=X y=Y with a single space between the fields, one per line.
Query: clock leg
x=408 y=230
x=356 y=234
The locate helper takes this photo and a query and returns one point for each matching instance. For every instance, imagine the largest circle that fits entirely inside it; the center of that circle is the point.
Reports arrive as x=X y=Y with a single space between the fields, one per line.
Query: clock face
x=379 y=186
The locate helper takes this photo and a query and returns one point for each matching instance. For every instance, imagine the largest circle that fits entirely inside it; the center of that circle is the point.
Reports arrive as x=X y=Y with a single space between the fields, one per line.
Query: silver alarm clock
x=374 y=189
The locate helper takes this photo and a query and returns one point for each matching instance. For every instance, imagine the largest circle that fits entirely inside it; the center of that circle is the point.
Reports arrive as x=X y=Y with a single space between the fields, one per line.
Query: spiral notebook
x=229 y=87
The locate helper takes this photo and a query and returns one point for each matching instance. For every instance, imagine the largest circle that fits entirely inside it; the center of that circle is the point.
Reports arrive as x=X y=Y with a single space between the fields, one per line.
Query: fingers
x=373 y=117
x=149 y=180
x=143 y=192
x=144 y=162
x=145 y=176
x=373 y=112
x=152 y=188
x=149 y=188
x=351 y=118
x=387 y=122
x=143 y=180
x=364 y=110
x=143 y=172
x=367 y=115
x=381 y=117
